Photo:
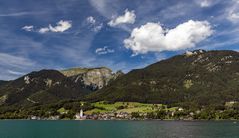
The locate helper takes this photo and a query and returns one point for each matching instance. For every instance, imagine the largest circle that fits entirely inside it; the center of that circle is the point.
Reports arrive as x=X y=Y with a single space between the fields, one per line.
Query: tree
x=135 y=115
x=161 y=114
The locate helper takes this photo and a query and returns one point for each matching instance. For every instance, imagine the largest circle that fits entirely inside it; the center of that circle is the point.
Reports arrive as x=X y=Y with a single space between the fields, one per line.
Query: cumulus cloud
x=61 y=26
x=128 y=18
x=104 y=50
x=96 y=27
x=28 y=28
x=152 y=37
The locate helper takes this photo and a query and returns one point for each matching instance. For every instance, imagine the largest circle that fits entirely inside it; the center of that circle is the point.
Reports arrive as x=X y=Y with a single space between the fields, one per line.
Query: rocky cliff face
x=92 y=78
x=74 y=71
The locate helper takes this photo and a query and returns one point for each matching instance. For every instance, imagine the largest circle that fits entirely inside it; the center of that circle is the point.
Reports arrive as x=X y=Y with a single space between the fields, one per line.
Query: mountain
x=74 y=71
x=45 y=86
x=196 y=78
x=3 y=82
x=50 y=86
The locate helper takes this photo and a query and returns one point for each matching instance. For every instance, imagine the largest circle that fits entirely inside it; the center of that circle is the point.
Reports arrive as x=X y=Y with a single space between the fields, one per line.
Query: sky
x=119 y=34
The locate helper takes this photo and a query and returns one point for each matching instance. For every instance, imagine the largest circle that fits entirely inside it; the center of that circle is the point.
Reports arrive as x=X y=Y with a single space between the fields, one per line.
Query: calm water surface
x=118 y=129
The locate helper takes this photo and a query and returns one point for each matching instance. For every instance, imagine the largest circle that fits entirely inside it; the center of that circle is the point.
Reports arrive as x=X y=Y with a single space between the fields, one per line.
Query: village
x=139 y=111
x=115 y=115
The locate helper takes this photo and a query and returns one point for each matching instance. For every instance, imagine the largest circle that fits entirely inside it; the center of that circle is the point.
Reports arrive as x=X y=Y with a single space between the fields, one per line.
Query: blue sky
x=119 y=34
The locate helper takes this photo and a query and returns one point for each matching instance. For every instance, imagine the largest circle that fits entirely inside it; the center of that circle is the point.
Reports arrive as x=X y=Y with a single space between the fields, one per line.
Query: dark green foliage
x=195 y=81
x=120 y=107
x=3 y=82
x=160 y=114
x=135 y=115
x=69 y=115
x=151 y=115
x=236 y=106
x=44 y=87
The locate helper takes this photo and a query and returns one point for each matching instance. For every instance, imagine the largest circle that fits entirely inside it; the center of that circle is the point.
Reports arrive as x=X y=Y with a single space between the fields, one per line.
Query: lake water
x=118 y=129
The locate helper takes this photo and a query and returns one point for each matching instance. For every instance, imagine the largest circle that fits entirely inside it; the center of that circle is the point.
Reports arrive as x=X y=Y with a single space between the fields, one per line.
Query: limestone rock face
x=74 y=71
x=97 y=78
x=93 y=78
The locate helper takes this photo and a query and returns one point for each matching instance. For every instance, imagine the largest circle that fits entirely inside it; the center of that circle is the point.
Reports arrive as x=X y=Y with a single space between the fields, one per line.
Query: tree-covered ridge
x=50 y=86
x=3 y=82
x=45 y=86
x=194 y=79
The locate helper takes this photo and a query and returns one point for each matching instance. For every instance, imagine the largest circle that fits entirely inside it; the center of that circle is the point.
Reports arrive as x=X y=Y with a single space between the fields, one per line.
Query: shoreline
x=217 y=120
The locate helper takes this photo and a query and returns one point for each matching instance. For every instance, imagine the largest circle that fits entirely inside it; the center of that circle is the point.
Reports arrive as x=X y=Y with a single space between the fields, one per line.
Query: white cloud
x=14 y=61
x=128 y=18
x=232 y=11
x=91 y=20
x=12 y=66
x=96 y=27
x=61 y=26
x=205 y=3
x=104 y=50
x=233 y=17
x=152 y=37
x=20 y=14
x=15 y=72
x=44 y=30
x=105 y=7
x=28 y=28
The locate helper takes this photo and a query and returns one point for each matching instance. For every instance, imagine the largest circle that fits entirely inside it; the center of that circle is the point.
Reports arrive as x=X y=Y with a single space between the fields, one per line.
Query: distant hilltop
x=49 y=86
x=194 y=79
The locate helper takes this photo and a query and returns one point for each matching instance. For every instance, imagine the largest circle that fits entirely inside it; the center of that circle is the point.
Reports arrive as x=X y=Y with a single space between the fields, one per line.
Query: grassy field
x=62 y=110
x=129 y=107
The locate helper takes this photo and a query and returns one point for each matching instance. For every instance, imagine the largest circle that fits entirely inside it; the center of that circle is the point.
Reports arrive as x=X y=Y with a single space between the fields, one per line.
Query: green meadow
x=129 y=107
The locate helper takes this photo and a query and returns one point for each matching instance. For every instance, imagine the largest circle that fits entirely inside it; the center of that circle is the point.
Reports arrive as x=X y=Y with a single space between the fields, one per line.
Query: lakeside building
x=80 y=116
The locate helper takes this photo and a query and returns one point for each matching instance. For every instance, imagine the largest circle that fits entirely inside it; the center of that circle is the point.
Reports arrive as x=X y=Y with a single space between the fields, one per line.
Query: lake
x=118 y=129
